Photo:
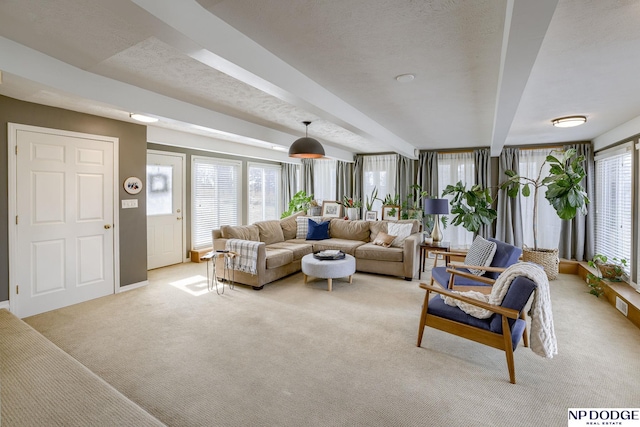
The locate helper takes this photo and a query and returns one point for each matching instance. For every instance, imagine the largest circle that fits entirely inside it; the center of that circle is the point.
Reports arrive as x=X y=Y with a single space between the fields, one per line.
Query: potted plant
x=564 y=192
x=369 y=200
x=472 y=208
x=596 y=284
x=299 y=202
x=352 y=206
x=612 y=270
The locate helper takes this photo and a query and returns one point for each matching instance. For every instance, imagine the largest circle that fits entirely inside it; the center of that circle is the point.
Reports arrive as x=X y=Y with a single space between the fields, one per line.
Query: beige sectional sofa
x=281 y=249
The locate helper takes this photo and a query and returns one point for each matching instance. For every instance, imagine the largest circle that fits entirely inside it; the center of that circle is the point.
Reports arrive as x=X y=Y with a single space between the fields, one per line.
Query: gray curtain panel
x=344 y=179
x=577 y=236
x=509 y=221
x=482 y=159
x=405 y=176
x=289 y=183
x=428 y=173
x=306 y=176
x=358 y=178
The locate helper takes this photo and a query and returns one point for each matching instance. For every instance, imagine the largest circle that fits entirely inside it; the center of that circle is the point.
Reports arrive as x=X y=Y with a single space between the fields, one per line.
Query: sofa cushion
x=289 y=225
x=415 y=224
x=350 y=230
x=377 y=226
x=302 y=225
x=401 y=231
x=346 y=246
x=242 y=232
x=278 y=257
x=383 y=239
x=270 y=231
x=379 y=253
x=318 y=230
x=299 y=249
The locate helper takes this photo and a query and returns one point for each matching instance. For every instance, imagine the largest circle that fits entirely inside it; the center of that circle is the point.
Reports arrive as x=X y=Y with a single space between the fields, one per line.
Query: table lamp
x=436 y=207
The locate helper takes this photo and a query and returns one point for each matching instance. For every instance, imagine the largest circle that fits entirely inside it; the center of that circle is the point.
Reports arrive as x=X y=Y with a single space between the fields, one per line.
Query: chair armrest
x=507 y=312
x=482 y=279
x=455 y=264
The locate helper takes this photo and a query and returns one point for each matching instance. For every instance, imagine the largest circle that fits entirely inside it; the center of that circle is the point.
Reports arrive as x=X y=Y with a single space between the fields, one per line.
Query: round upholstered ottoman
x=328 y=269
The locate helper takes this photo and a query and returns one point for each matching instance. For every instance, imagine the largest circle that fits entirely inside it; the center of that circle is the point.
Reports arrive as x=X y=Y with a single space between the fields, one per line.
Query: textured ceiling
x=487 y=72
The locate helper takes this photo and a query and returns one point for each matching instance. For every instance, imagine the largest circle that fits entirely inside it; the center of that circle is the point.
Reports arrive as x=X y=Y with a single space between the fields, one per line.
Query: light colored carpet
x=44 y=386
x=297 y=355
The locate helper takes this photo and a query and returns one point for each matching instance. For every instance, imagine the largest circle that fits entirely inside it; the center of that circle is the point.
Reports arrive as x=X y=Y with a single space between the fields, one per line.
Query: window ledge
x=615 y=290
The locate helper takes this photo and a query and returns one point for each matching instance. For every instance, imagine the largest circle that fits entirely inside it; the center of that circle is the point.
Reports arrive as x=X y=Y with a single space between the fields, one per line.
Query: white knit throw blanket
x=543 y=335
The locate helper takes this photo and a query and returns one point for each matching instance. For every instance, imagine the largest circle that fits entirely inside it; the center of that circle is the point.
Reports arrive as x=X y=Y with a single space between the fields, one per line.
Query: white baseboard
x=132 y=286
x=5 y=304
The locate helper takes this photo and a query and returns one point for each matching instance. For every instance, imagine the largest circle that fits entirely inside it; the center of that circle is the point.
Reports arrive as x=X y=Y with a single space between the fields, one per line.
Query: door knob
x=179 y=218
x=107 y=226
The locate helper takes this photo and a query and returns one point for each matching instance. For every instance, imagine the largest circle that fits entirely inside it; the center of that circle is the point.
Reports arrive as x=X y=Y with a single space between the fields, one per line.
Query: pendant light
x=306 y=148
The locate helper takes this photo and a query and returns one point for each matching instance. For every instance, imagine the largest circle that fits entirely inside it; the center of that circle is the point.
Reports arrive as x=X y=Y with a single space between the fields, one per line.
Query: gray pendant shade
x=306 y=148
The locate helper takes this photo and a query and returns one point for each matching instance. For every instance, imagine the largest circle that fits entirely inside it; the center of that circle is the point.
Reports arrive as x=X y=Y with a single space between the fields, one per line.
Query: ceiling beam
x=526 y=23
x=227 y=50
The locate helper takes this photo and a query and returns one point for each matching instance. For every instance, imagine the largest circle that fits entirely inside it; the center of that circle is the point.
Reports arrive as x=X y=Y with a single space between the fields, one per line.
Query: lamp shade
x=436 y=206
x=306 y=148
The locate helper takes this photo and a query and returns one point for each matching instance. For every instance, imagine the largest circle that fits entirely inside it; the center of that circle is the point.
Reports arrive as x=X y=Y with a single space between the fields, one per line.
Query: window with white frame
x=324 y=180
x=379 y=172
x=454 y=167
x=216 y=197
x=549 y=223
x=264 y=192
x=613 y=198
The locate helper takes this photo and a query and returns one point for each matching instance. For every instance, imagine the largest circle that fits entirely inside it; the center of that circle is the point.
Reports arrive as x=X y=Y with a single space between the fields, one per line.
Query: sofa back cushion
x=270 y=231
x=376 y=227
x=349 y=230
x=415 y=224
x=289 y=226
x=243 y=232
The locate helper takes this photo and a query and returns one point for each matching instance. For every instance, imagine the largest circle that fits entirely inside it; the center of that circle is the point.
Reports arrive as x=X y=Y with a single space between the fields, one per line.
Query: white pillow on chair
x=481 y=253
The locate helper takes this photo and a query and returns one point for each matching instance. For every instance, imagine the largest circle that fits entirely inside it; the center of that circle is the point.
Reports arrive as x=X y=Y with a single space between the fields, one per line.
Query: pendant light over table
x=306 y=148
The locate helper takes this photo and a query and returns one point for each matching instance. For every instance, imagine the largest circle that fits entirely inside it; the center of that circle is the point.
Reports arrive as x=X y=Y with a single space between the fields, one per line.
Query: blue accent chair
x=501 y=331
x=458 y=277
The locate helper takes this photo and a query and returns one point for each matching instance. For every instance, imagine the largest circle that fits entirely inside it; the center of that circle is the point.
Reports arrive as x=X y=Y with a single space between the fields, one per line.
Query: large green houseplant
x=471 y=208
x=299 y=202
x=563 y=190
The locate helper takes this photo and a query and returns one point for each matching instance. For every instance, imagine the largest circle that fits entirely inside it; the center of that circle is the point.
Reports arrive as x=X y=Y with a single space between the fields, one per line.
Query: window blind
x=264 y=192
x=613 y=196
x=215 y=189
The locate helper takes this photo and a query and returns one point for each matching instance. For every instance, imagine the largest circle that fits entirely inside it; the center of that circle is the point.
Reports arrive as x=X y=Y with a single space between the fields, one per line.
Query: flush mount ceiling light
x=306 y=148
x=569 y=122
x=405 y=78
x=142 y=118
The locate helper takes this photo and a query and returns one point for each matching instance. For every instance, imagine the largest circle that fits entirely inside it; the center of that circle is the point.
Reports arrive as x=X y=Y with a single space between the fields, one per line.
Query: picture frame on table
x=371 y=216
x=331 y=209
x=390 y=212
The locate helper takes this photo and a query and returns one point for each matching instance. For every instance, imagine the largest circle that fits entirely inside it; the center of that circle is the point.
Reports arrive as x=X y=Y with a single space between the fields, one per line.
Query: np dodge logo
x=628 y=417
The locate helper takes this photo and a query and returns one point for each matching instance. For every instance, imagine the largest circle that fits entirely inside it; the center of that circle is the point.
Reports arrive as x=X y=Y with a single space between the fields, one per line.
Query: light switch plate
x=131 y=203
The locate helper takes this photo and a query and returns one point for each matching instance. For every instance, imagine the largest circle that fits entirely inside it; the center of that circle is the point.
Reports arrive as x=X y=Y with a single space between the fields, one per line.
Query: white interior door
x=165 y=231
x=64 y=219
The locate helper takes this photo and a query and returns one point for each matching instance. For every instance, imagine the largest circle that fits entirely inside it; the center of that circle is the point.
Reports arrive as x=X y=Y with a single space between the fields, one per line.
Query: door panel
x=65 y=213
x=165 y=234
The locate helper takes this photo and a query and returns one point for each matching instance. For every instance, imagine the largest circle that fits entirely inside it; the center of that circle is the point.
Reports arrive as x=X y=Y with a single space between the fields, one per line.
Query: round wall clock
x=133 y=185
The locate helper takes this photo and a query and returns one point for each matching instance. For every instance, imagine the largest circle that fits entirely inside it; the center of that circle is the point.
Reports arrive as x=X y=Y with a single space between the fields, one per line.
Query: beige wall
x=132 y=162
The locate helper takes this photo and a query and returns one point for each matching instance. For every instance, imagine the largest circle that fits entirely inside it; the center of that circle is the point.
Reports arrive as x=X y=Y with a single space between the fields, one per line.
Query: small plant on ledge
x=613 y=269
x=596 y=284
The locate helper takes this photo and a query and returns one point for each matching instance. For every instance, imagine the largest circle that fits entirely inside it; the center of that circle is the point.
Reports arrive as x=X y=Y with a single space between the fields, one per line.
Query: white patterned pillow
x=401 y=231
x=302 y=225
x=481 y=252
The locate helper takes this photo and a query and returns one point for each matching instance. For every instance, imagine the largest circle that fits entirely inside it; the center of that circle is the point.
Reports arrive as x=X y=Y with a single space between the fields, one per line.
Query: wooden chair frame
x=499 y=341
x=452 y=269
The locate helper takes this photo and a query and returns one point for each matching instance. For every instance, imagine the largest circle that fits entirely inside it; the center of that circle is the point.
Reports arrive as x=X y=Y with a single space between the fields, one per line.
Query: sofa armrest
x=220 y=243
x=411 y=255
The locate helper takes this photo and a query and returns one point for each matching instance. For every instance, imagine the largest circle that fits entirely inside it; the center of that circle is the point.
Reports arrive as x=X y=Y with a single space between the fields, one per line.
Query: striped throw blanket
x=247 y=258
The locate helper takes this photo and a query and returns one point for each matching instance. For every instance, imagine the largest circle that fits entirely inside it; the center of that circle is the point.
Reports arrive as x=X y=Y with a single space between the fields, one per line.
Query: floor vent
x=622 y=306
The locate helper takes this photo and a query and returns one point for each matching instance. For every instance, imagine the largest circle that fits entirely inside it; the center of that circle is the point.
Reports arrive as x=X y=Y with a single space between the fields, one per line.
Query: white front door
x=165 y=233
x=64 y=197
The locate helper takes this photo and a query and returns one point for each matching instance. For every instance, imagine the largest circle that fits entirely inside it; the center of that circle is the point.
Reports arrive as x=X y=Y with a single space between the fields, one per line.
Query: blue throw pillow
x=318 y=230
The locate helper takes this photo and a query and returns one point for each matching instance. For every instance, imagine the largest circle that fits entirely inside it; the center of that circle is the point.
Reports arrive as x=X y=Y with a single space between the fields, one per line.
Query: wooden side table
x=425 y=248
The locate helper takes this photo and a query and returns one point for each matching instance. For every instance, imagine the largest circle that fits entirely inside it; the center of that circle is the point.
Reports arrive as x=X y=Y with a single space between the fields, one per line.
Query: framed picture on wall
x=371 y=216
x=391 y=212
x=331 y=209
